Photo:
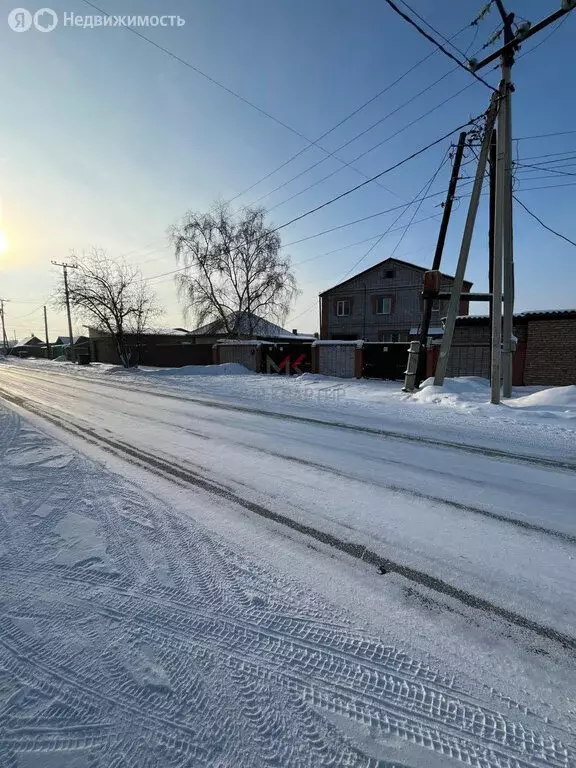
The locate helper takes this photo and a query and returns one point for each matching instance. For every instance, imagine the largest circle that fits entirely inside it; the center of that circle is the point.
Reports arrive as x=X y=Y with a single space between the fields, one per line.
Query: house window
x=343 y=308
x=389 y=337
x=389 y=274
x=384 y=305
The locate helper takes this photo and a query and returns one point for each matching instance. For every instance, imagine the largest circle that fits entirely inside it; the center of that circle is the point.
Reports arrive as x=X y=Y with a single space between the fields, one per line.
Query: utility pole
x=4 y=337
x=429 y=301
x=491 y=218
x=66 y=267
x=442 y=363
x=503 y=224
x=49 y=356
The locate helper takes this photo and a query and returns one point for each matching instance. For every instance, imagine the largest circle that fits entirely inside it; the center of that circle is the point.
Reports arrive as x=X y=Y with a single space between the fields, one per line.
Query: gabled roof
x=389 y=260
x=31 y=341
x=244 y=324
x=64 y=341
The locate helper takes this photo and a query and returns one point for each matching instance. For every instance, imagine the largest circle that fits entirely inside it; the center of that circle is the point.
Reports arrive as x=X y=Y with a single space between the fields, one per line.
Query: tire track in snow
x=489 y=452
x=257 y=671
x=358 y=551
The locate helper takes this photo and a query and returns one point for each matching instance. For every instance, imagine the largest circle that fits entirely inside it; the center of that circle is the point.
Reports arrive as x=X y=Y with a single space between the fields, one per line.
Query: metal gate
x=337 y=360
x=384 y=361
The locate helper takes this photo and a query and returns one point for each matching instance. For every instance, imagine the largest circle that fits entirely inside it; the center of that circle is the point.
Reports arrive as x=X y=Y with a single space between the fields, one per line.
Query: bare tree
x=234 y=270
x=112 y=297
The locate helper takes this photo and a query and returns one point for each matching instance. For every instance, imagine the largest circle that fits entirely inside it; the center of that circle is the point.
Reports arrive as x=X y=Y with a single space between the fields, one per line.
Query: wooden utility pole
x=429 y=301
x=66 y=267
x=442 y=363
x=49 y=356
x=501 y=362
x=4 y=337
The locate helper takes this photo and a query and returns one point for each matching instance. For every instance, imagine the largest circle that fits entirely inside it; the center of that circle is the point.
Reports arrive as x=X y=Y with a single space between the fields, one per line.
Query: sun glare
x=3 y=242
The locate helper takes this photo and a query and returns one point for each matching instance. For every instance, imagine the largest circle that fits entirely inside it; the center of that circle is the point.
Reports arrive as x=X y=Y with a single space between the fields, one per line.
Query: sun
x=3 y=242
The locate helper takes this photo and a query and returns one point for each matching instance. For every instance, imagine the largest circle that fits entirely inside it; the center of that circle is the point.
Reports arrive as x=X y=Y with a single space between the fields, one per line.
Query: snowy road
x=498 y=530
x=133 y=635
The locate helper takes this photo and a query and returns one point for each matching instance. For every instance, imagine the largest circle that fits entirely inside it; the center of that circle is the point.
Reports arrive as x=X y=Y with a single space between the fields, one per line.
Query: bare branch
x=233 y=268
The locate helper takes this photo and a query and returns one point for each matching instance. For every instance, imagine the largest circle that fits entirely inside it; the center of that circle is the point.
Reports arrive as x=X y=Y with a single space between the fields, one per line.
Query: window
x=343 y=308
x=384 y=305
x=389 y=274
x=389 y=337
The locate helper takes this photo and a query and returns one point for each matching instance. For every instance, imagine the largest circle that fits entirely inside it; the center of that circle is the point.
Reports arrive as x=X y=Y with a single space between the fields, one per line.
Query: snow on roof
x=431 y=331
x=247 y=324
x=517 y=315
x=29 y=341
x=164 y=332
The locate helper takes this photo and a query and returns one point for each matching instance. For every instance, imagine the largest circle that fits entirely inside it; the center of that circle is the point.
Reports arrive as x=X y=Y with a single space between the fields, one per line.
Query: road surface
x=491 y=534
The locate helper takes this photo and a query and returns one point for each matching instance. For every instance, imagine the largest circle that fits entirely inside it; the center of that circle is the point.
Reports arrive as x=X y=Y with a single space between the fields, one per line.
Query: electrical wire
x=540 y=168
x=539 y=220
x=352 y=140
x=436 y=31
x=437 y=44
x=350 y=191
x=373 y=147
x=544 y=135
x=206 y=76
x=341 y=122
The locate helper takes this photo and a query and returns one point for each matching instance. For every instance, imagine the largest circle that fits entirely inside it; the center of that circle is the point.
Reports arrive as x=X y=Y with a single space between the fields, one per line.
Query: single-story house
x=245 y=325
x=29 y=347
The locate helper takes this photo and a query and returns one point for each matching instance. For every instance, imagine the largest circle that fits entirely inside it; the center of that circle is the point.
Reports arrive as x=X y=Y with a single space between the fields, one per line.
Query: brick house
x=545 y=352
x=382 y=303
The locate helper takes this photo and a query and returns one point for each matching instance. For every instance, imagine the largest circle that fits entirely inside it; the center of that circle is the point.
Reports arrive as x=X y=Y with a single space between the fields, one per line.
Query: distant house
x=62 y=345
x=382 y=303
x=30 y=347
x=245 y=325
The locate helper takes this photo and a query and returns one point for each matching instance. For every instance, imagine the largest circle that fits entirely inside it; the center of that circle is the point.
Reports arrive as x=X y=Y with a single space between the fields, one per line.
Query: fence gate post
x=412 y=367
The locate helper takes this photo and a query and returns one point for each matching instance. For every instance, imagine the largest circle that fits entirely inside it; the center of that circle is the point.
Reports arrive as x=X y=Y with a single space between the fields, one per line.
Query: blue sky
x=106 y=141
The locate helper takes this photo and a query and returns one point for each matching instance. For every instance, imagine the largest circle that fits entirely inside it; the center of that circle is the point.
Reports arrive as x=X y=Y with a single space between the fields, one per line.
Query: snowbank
x=473 y=392
x=224 y=369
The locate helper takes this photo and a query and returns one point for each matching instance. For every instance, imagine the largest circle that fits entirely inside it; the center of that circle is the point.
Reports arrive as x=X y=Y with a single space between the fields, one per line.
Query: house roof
x=246 y=324
x=532 y=314
x=31 y=341
x=65 y=340
x=389 y=260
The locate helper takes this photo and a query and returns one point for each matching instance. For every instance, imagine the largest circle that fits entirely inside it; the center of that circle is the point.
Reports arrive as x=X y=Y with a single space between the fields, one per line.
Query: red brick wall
x=551 y=352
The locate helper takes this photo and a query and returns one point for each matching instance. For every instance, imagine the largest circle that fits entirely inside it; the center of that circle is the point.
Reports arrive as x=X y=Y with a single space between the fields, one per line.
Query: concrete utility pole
x=456 y=292
x=503 y=224
x=4 y=337
x=49 y=356
x=66 y=267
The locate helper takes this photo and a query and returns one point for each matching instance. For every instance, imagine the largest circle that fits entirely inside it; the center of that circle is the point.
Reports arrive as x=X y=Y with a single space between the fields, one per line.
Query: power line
x=379 y=175
x=437 y=44
x=540 y=168
x=539 y=220
x=436 y=31
x=350 y=191
x=544 y=135
x=206 y=76
x=355 y=138
x=375 y=146
x=342 y=121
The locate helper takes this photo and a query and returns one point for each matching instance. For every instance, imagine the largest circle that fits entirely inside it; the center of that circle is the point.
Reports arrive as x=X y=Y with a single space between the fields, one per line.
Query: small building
x=245 y=325
x=29 y=347
x=545 y=347
x=382 y=303
x=62 y=346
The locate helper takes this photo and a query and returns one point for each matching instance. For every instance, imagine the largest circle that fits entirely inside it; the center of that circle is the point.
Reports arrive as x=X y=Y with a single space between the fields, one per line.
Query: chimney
x=295 y=331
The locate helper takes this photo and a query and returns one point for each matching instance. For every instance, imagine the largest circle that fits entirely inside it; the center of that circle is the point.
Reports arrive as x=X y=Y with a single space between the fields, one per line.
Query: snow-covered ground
x=153 y=620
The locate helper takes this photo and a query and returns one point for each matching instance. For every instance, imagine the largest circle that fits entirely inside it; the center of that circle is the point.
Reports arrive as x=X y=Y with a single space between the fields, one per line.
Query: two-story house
x=382 y=303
